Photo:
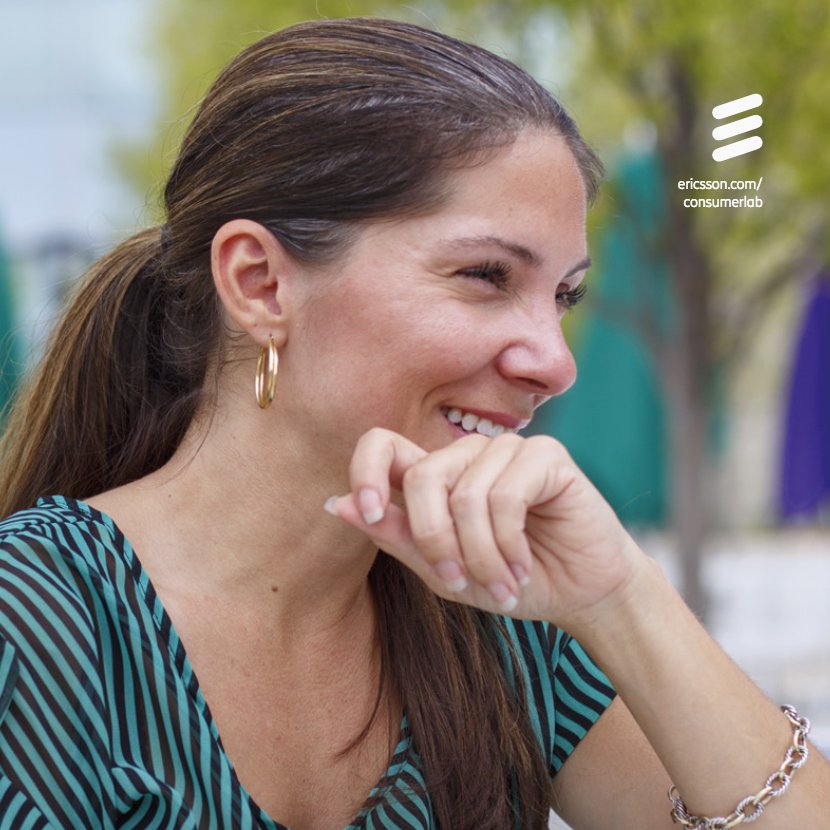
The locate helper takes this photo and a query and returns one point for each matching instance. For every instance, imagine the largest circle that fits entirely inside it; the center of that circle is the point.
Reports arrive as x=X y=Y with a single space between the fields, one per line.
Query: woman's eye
x=568 y=299
x=497 y=273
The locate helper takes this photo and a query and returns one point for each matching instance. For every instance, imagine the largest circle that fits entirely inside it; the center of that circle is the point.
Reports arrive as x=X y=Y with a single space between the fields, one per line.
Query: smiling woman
x=373 y=231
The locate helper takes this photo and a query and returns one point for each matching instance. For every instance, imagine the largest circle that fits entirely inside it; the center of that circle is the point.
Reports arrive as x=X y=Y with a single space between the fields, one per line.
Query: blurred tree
x=670 y=64
x=635 y=68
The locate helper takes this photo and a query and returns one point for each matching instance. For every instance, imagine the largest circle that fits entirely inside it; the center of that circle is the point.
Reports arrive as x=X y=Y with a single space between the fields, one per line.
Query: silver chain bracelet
x=752 y=807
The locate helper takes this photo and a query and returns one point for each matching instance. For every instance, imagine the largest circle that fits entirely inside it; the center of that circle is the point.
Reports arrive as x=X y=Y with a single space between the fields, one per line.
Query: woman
x=372 y=234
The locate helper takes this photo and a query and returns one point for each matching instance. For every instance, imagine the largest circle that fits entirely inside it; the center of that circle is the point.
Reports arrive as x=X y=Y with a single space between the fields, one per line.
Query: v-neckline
x=178 y=654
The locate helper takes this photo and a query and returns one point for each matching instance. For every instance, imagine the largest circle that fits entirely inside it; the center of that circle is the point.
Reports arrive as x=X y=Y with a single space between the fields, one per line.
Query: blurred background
x=703 y=405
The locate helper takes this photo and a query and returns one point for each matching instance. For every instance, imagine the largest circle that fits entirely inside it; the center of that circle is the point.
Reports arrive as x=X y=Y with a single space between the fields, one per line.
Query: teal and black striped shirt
x=103 y=724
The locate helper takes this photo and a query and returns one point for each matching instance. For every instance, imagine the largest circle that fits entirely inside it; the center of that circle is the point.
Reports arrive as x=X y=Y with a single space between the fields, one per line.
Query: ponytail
x=118 y=385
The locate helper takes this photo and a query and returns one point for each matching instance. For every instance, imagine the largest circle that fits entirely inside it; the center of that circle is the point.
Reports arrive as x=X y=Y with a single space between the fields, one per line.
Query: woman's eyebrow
x=582 y=265
x=519 y=251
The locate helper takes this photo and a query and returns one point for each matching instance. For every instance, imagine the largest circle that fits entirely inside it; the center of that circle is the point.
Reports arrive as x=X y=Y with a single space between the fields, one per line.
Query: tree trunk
x=688 y=448
x=687 y=365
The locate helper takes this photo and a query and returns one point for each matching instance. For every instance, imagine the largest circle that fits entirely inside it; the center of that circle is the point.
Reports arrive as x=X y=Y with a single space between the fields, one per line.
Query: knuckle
x=367 y=447
x=475 y=440
x=541 y=442
x=373 y=436
x=419 y=474
x=483 y=568
x=547 y=446
x=380 y=432
x=511 y=541
x=435 y=543
x=465 y=497
x=503 y=498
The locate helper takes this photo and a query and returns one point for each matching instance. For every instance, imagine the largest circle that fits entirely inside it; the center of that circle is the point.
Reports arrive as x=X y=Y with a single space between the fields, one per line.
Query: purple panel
x=805 y=470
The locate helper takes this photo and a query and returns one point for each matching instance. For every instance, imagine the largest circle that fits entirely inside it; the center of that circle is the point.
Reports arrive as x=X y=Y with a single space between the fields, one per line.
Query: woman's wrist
x=618 y=619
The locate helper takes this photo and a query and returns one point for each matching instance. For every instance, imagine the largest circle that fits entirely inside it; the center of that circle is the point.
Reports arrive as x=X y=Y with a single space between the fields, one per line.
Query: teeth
x=484 y=427
x=469 y=421
x=472 y=423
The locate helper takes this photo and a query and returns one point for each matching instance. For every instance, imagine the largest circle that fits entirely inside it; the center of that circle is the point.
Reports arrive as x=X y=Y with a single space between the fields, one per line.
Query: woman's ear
x=252 y=271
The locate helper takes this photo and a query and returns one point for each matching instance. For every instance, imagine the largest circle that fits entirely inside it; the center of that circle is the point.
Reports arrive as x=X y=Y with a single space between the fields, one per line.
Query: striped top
x=103 y=724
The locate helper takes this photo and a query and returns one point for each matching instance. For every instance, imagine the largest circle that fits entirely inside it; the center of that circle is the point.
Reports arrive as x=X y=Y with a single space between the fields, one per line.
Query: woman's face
x=459 y=309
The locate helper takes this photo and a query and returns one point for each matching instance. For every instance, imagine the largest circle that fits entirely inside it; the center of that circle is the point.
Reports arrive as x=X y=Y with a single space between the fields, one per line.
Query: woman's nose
x=539 y=357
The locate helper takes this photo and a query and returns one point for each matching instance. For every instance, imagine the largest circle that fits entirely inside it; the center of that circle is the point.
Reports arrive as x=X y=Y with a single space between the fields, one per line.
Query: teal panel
x=9 y=353
x=613 y=421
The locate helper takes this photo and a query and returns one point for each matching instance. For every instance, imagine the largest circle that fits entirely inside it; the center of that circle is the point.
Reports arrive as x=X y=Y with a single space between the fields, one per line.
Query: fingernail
x=329 y=505
x=520 y=572
x=370 y=506
x=505 y=598
x=450 y=573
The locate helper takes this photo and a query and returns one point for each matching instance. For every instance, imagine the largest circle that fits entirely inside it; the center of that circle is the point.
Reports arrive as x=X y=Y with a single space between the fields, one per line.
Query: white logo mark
x=733 y=128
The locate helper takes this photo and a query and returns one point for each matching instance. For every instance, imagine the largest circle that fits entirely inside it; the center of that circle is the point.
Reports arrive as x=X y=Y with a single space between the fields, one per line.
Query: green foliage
x=726 y=50
x=671 y=63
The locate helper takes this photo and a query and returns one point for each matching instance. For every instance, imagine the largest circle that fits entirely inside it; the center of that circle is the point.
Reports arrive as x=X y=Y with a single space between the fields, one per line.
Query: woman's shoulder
x=56 y=564
x=51 y=512
x=54 y=708
x=55 y=535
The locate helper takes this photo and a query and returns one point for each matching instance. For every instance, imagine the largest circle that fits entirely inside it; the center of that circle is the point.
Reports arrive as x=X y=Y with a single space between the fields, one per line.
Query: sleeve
x=581 y=693
x=54 y=769
x=565 y=692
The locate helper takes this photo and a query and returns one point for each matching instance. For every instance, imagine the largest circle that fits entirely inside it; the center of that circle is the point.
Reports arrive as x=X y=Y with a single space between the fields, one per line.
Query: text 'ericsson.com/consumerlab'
x=722 y=199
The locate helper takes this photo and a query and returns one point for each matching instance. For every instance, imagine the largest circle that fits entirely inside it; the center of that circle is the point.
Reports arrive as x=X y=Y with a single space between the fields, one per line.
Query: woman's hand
x=506 y=524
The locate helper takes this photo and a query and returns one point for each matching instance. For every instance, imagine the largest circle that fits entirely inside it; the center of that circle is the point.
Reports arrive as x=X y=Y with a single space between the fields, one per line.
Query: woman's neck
x=215 y=522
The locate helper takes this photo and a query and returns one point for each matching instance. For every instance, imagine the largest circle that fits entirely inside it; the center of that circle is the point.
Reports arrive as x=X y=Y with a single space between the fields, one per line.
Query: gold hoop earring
x=266 y=374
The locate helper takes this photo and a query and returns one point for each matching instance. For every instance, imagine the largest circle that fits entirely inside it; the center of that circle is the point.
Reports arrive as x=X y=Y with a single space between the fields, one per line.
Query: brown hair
x=310 y=131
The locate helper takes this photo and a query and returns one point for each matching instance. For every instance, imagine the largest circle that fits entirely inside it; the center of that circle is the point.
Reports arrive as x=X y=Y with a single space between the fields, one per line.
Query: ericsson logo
x=733 y=128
